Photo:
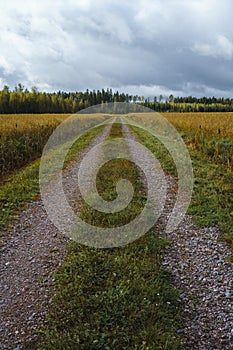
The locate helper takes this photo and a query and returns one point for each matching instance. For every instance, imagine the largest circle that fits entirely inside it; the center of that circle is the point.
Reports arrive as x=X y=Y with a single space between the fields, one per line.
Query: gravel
x=33 y=249
x=198 y=262
x=199 y=265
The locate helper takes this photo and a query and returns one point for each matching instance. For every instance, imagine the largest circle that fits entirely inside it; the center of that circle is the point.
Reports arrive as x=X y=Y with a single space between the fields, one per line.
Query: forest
x=22 y=100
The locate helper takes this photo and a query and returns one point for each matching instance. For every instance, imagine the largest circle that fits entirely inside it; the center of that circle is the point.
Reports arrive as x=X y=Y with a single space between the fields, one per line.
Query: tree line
x=21 y=100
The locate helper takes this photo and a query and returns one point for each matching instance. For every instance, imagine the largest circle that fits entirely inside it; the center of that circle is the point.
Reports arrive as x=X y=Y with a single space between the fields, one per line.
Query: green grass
x=17 y=190
x=213 y=190
x=120 y=298
x=23 y=187
x=213 y=180
x=116 y=298
x=20 y=147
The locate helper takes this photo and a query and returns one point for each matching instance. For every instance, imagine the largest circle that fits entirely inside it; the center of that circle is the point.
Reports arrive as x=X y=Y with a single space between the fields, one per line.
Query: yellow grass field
x=20 y=122
x=23 y=136
x=212 y=123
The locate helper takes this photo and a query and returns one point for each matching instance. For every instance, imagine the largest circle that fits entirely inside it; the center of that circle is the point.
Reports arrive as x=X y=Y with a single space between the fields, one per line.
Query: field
x=90 y=290
x=211 y=152
x=211 y=133
x=207 y=135
x=212 y=124
x=23 y=137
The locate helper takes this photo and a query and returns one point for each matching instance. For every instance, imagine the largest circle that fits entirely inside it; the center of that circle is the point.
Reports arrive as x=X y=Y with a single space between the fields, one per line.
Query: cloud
x=221 y=48
x=172 y=46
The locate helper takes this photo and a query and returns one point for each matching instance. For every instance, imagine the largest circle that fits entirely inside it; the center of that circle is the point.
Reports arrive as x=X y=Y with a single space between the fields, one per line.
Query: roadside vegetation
x=212 y=158
x=22 y=187
x=22 y=139
x=119 y=298
x=209 y=138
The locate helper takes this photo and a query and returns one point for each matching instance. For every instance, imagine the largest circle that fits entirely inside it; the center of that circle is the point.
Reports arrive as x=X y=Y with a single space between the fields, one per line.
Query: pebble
x=27 y=264
x=197 y=261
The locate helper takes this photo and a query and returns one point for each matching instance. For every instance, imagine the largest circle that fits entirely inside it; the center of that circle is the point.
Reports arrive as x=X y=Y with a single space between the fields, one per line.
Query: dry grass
x=23 y=137
x=210 y=133
x=212 y=123
x=23 y=122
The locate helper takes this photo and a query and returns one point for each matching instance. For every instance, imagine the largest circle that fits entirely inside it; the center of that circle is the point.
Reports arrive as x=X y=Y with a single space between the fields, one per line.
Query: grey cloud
x=172 y=46
x=221 y=47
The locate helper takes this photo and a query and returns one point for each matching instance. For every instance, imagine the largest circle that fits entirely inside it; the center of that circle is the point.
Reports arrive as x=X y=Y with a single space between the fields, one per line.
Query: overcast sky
x=145 y=47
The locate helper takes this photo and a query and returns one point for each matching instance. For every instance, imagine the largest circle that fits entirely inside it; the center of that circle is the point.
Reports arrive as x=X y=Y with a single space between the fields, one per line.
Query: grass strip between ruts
x=116 y=298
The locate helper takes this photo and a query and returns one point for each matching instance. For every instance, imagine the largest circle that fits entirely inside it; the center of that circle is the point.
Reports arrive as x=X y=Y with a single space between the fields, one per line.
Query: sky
x=143 y=47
